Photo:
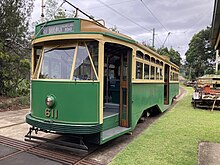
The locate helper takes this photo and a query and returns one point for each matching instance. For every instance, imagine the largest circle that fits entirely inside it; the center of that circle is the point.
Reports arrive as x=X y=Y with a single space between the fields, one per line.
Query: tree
x=200 y=56
x=150 y=47
x=53 y=11
x=14 y=43
x=175 y=57
x=172 y=54
x=14 y=16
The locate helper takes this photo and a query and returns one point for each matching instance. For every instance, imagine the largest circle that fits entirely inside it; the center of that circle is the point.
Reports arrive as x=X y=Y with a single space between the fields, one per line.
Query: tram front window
x=57 y=63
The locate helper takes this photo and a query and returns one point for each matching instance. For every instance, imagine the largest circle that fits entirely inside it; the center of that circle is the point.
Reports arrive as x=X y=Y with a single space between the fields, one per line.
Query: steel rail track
x=40 y=150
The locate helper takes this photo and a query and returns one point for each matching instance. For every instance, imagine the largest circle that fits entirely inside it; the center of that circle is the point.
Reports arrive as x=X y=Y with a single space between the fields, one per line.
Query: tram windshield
x=74 y=63
x=57 y=63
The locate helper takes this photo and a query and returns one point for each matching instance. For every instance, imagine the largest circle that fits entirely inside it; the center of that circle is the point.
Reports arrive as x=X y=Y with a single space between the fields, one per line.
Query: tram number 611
x=51 y=113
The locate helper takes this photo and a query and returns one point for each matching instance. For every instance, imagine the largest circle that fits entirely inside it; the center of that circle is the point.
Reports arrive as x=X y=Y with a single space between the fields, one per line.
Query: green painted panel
x=76 y=26
x=75 y=21
x=76 y=102
x=145 y=96
x=110 y=122
x=174 y=90
x=63 y=127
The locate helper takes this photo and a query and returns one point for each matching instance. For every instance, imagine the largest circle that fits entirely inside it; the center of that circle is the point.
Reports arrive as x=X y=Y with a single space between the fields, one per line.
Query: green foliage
x=200 y=56
x=150 y=47
x=14 y=46
x=174 y=137
x=14 y=73
x=14 y=16
x=53 y=11
x=172 y=54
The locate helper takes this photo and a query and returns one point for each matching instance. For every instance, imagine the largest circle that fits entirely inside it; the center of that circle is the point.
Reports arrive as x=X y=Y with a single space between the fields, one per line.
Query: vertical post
x=153 y=37
x=216 y=61
x=101 y=78
x=42 y=11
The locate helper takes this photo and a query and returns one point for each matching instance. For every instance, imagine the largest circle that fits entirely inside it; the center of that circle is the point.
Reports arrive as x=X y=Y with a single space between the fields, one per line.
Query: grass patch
x=174 y=138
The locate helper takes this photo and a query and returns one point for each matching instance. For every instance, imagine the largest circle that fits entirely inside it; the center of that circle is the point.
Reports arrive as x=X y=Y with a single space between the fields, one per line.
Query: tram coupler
x=31 y=129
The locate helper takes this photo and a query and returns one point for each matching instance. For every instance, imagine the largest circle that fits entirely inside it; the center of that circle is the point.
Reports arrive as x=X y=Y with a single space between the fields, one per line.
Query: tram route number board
x=60 y=28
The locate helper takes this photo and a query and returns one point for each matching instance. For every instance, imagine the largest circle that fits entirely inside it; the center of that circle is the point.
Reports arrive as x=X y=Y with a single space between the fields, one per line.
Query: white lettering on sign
x=60 y=28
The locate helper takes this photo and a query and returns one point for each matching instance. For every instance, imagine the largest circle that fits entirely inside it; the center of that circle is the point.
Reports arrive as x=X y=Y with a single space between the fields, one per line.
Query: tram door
x=166 y=84
x=116 y=78
x=124 y=90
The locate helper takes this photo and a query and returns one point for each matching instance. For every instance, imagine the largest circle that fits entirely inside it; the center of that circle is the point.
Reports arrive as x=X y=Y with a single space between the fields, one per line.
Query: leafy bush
x=14 y=75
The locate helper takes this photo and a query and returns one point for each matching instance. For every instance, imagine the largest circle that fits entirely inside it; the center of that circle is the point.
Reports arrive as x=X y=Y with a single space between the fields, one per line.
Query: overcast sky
x=137 y=18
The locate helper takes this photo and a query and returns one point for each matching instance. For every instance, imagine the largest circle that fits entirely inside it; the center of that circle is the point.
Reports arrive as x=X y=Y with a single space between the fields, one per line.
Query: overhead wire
x=123 y=16
x=109 y=4
x=112 y=24
x=153 y=15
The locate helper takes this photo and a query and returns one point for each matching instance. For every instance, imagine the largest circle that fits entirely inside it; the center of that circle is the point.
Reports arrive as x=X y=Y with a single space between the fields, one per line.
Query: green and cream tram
x=95 y=83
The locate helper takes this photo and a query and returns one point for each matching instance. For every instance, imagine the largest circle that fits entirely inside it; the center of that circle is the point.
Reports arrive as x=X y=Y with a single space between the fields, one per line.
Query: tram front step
x=114 y=132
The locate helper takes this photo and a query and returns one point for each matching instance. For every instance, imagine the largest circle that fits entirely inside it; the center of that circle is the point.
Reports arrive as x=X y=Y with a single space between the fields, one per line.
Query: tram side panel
x=145 y=96
x=173 y=91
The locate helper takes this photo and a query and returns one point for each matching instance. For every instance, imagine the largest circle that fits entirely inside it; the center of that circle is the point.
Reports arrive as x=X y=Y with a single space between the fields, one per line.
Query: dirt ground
x=10 y=104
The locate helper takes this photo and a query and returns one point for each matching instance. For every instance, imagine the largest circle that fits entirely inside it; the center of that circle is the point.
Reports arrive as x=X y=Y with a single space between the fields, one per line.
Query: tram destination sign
x=58 y=28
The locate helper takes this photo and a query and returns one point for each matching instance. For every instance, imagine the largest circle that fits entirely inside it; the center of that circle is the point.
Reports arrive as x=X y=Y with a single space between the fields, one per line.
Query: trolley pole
x=153 y=37
x=42 y=11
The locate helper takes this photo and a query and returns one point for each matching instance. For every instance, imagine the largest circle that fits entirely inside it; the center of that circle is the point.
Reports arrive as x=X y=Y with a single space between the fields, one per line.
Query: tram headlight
x=50 y=101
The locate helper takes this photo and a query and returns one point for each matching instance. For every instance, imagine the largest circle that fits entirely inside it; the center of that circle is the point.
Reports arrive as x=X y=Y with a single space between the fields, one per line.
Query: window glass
x=37 y=53
x=93 y=47
x=147 y=57
x=139 y=70
x=83 y=67
x=139 y=54
x=146 y=71
x=171 y=76
x=157 y=73
x=175 y=77
x=57 y=63
x=161 y=74
x=152 y=60
x=152 y=73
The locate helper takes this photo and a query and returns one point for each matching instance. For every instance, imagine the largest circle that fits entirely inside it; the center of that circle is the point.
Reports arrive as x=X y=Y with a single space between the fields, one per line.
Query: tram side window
x=57 y=63
x=172 y=76
x=152 y=73
x=139 y=54
x=175 y=77
x=147 y=57
x=83 y=67
x=94 y=52
x=161 y=74
x=139 y=70
x=37 y=53
x=157 y=73
x=146 y=71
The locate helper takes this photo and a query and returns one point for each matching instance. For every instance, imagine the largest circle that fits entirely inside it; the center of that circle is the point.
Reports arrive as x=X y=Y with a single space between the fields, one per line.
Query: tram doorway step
x=166 y=107
x=114 y=132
